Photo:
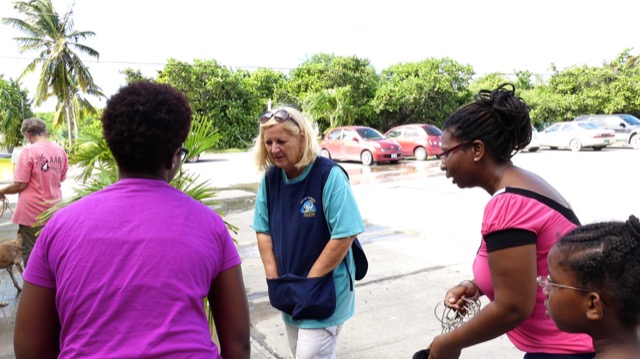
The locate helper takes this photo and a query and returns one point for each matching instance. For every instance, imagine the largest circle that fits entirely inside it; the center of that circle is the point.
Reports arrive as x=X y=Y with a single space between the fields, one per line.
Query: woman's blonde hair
x=302 y=126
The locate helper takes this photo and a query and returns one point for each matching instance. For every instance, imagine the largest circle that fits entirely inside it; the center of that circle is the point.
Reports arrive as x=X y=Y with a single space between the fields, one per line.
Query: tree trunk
x=75 y=122
x=68 y=115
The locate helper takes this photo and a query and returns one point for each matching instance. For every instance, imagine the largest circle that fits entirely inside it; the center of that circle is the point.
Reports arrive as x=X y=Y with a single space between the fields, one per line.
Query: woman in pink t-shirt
x=40 y=169
x=521 y=222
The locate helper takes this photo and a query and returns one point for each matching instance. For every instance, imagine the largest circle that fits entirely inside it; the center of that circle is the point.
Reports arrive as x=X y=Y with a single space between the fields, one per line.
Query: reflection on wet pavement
x=389 y=173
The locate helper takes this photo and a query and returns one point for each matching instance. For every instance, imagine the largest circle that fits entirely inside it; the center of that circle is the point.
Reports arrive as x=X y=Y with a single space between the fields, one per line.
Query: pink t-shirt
x=522 y=209
x=131 y=265
x=43 y=166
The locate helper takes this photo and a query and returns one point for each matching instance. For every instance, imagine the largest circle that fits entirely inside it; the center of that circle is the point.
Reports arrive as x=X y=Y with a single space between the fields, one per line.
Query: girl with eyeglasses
x=522 y=220
x=592 y=288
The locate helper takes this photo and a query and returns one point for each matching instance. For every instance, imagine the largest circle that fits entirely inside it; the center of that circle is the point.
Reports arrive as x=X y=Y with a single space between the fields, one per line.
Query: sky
x=491 y=36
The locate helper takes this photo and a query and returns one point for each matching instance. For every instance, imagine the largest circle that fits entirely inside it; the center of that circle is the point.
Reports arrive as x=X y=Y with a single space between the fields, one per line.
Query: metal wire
x=450 y=319
x=4 y=206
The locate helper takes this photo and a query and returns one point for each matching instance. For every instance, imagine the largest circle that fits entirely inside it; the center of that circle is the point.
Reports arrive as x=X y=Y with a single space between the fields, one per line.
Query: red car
x=417 y=140
x=359 y=143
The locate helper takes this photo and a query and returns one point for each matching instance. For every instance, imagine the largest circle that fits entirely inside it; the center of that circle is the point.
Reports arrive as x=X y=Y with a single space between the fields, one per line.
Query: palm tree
x=62 y=73
x=332 y=105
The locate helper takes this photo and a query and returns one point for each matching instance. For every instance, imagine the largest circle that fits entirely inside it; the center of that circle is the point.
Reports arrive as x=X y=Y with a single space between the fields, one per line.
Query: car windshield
x=632 y=120
x=588 y=125
x=369 y=133
x=432 y=130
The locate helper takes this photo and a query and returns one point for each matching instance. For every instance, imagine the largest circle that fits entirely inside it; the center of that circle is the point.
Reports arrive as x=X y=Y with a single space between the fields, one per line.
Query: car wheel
x=325 y=153
x=635 y=141
x=598 y=148
x=367 y=158
x=534 y=149
x=420 y=153
x=553 y=148
x=394 y=162
x=575 y=145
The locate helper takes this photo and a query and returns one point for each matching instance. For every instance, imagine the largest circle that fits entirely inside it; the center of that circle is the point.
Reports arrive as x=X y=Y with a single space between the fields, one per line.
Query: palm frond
x=202 y=135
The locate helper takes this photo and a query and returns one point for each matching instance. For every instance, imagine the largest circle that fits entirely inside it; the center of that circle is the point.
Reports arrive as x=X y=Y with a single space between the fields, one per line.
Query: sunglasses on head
x=280 y=116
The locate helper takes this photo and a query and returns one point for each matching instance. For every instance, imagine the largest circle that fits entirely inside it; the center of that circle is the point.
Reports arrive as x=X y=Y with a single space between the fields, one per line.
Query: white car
x=534 y=145
x=575 y=136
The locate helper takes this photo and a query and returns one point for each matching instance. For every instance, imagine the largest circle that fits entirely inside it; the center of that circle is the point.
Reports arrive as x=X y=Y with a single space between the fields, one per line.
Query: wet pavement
x=421 y=236
x=235 y=200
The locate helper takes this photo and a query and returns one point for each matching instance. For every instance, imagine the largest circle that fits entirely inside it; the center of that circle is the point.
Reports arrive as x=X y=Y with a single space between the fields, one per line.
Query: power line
x=142 y=63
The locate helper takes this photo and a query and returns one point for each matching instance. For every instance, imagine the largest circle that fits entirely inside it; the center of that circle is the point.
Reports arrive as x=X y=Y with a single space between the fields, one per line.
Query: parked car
x=417 y=140
x=193 y=159
x=359 y=143
x=534 y=145
x=626 y=127
x=576 y=135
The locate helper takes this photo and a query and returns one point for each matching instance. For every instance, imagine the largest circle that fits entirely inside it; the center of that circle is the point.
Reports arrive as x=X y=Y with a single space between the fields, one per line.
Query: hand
x=453 y=298
x=439 y=349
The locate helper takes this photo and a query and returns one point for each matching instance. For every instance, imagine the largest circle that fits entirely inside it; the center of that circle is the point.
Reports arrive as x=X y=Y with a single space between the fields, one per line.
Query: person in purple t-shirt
x=123 y=272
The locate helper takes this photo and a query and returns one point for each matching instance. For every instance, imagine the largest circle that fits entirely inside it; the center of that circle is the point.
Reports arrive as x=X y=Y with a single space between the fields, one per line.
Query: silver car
x=534 y=145
x=625 y=126
x=575 y=136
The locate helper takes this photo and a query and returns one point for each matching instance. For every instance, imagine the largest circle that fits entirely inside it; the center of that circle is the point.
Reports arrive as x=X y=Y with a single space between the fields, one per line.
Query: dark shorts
x=28 y=236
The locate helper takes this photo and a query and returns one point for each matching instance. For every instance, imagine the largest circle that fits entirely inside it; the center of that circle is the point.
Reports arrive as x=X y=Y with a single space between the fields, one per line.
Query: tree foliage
x=14 y=107
x=268 y=87
x=323 y=76
x=62 y=73
x=218 y=93
x=131 y=75
x=421 y=92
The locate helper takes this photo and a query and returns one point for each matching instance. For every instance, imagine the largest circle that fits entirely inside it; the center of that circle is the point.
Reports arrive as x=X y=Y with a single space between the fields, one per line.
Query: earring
x=475 y=159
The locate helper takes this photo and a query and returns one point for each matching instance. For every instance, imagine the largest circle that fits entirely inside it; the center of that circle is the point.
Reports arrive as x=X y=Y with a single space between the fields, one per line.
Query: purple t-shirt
x=131 y=265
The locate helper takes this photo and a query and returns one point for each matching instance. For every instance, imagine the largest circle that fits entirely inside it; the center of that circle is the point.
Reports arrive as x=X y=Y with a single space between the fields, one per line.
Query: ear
x=595 y=307
x=171 y=163
x=478 y=149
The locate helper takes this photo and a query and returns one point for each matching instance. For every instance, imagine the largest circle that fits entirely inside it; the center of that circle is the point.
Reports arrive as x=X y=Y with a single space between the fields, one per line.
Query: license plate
x=394 y=155
x=606 y=141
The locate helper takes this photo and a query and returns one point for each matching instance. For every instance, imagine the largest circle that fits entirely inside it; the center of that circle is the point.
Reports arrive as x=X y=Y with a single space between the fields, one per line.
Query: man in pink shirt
x=41 y=167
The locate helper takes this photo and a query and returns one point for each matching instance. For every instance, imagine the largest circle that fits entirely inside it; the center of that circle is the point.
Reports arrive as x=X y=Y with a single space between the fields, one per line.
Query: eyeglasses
x=543 y=282
x=445 y=154
x=280 y=116
x=183 y=152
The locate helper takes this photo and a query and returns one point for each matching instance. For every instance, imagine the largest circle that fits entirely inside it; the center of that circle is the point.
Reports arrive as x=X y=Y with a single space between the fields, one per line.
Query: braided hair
x=606 y=256
x=497 y=118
